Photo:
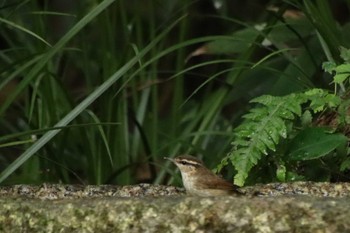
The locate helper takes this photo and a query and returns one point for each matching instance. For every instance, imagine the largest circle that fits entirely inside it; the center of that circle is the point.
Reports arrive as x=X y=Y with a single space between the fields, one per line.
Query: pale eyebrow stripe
x=191 y=162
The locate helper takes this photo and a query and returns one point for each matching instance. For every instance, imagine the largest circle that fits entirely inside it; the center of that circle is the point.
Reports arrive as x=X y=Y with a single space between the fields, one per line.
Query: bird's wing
x=215 y=182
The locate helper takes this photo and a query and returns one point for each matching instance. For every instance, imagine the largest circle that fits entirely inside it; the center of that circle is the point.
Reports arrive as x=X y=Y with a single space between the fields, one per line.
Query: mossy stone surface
x=167 y=209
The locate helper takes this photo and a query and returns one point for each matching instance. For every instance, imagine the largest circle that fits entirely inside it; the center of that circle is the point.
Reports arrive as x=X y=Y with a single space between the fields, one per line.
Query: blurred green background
x=99 y=92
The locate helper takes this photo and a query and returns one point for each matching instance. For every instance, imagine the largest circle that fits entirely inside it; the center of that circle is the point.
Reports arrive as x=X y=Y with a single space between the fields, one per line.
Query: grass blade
x=81 y=107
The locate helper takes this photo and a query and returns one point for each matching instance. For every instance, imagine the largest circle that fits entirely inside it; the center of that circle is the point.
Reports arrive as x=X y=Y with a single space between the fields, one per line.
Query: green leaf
x=320 y=99
x=313 y=143
x=340 y=78
x=238 y=43
x=19 y=27
x=345 y=54
x=267 y=141
x=281 y=34
x=345 y=165
x=329 y=67
x=261 y=131
x=306 y=118
x=292 y=176
x=281 y=173
x=343 y=68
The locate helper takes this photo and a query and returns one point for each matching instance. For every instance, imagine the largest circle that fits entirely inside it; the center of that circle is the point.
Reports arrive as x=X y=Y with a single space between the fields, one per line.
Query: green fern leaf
x=244 y=165
x=320 y=99
x=277 y=128
x=267 y=141
x=261 y=131
x=265 y=125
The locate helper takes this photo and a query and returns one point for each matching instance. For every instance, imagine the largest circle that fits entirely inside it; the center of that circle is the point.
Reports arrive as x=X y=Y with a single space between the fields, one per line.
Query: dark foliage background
x=100 y=91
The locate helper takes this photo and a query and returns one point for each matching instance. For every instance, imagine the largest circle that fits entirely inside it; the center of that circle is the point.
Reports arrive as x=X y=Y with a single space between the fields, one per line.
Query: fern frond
x=320 y=99
x=262 y=130
x=265 y=125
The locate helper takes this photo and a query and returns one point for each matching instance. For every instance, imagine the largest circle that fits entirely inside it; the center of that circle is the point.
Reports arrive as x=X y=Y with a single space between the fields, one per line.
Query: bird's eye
x=183 y=162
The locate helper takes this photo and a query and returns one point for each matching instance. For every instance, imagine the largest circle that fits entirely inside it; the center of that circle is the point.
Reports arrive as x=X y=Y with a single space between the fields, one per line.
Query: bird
x=201 y=181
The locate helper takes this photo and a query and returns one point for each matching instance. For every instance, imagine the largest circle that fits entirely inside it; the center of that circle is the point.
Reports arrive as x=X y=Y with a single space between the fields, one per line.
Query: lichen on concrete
x=152 y=208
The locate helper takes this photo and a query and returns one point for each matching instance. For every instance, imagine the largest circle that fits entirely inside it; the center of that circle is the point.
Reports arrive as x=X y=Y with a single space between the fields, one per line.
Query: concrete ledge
x=175 y=213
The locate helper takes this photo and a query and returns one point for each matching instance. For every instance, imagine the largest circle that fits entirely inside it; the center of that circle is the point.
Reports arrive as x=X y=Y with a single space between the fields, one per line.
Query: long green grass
x=100 y=92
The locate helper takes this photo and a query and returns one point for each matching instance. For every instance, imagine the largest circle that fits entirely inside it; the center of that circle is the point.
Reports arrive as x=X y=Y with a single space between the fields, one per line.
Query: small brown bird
x=199 y=180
